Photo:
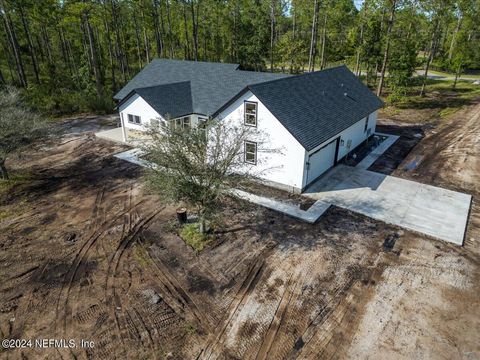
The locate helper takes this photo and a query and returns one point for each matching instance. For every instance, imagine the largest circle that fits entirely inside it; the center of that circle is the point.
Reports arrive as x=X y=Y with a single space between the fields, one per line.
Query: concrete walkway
x=311 y=215
x=378 y=151
x=430 y=210
x=111 y=134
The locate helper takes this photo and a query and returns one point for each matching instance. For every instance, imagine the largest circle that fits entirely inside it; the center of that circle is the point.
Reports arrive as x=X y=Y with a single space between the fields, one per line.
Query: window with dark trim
x=250 y=110
x=134 y=119
x=366 y=123
x=250 y=154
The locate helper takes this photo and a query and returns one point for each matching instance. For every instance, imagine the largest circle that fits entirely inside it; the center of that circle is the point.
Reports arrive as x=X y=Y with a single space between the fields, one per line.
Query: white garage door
x=321 y=161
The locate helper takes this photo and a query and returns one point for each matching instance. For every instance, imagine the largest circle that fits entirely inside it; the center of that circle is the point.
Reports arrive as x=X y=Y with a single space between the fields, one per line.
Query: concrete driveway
x=427 y=209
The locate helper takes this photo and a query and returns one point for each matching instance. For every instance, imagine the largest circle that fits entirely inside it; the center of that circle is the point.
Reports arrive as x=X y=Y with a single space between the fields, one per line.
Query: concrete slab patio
x=431 y=210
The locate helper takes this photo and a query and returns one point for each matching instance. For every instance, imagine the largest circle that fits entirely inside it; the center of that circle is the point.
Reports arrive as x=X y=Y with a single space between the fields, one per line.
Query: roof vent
x=341 y=84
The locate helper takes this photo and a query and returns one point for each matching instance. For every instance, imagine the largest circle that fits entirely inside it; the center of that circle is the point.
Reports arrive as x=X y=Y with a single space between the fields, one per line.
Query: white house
x=313 y=119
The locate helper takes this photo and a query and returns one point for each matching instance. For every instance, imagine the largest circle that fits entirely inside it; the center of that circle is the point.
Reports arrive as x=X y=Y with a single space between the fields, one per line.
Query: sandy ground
x=87 y=253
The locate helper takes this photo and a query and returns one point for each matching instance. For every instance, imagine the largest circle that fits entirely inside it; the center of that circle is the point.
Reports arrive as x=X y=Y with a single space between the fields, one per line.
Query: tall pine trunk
x=194 y=28
x=33 y=56
x=169 y=23
x=431 y=54
x=14 y=45
x=313 y=39
x=323 y=61
x=387 y=47
x=272 y=34
x=93 y=56
x=156 y=28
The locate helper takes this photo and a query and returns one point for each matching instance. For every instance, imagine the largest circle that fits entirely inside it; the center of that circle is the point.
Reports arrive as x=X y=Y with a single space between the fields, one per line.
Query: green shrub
x=193 y=237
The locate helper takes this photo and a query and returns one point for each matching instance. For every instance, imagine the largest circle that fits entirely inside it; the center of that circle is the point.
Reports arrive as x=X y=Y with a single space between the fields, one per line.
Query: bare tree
x=198 y=166
x=19 y=127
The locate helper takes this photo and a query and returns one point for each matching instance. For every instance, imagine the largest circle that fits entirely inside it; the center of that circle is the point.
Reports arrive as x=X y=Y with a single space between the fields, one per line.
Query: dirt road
x=87 y=253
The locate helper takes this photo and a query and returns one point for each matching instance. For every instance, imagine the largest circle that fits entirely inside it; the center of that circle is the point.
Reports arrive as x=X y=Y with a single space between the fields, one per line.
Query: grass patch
x=141 y=256
x=15 y=179
x=444 y=113
x=16 y=210
x=192 y=236
x=440 y=97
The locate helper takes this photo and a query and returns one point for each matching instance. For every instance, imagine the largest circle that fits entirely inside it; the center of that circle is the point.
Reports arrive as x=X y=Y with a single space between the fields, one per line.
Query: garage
x=322 y=160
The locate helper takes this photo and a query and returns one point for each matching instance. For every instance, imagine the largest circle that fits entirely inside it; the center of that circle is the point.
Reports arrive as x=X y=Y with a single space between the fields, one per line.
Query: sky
x=358 y=3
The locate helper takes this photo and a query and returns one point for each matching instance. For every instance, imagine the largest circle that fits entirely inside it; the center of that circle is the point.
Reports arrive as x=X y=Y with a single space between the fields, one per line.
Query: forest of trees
x=71 y=56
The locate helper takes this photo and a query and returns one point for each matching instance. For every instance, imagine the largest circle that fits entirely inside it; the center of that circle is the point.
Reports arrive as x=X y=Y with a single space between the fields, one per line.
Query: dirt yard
x=87 y=254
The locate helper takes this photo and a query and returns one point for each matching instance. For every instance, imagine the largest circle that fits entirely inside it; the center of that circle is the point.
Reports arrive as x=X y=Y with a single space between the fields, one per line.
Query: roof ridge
x=193 y=61
x=159 y=85
x=300 y=75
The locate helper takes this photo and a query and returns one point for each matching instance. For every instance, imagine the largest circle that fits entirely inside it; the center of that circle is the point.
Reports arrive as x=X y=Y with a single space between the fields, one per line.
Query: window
x=186 y=123
x=181 y=123
x=250 y=113
x=250 y=152
x=366 y=123
x=134 y=119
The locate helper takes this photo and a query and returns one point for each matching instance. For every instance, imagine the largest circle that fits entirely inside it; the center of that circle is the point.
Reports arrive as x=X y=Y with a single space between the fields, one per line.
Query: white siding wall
x=355 y=133
x=286 y=165
x=139 y=107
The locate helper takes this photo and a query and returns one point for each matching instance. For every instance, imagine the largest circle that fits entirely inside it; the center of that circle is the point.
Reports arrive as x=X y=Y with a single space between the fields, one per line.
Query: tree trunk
x=6 y=51
x=359 y=50
x=431 y=54
x=323 y=61
x=457 y=75
x=313 y=39
x=454 y=38
x=169 y=23
x=272 y=34
x=33 y=56
x=2 y=79
x=194 y=28
x=137 y=41
x=145 y=39
x=294 y=29
x=119 y=54
x=156 y=28
x=387 y=48
x=94 y=57
x=110 y=49
x=14 y=44
x=3 y=170
x=185 y=25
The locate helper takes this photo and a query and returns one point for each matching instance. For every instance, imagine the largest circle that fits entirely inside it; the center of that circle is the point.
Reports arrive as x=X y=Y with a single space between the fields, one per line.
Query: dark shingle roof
x=211 y=84
x=172 y=99
x=316 y=106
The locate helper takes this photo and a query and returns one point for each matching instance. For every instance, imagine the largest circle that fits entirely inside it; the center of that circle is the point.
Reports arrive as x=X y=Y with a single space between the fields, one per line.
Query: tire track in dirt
x=315 y=339
x=289 y=296
x=175 y=296
x=214 y=346
x=96 y=233
x=112 y=299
